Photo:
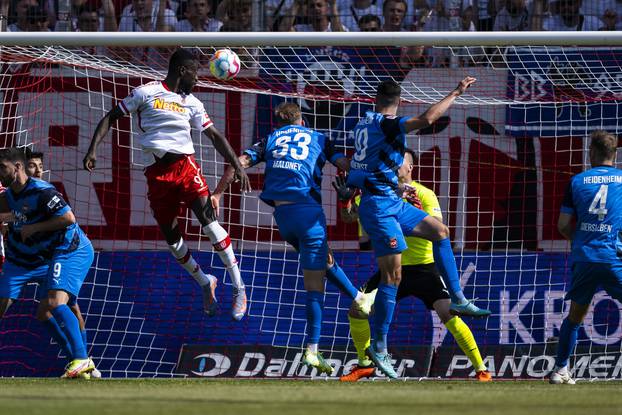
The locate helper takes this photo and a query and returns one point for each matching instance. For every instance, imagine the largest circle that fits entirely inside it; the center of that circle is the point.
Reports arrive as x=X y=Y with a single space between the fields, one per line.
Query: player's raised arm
x=437 y=110
x=103 y=126
x=224 y=148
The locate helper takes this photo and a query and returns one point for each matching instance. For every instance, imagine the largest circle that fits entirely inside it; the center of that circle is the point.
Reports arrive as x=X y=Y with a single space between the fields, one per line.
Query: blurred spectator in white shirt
x=197 y=18
x=237 y=15
x=20 y=12
x=513 y=17
x=322 y=16
x=147 y=16
x=350 y=11
x=568 y=17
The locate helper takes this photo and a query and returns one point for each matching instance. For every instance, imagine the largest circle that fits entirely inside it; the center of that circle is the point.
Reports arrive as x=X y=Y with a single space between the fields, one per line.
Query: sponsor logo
x=529 y=362
x=160 y=104
x=269 y=361
x=393 y=243
x=53 y=202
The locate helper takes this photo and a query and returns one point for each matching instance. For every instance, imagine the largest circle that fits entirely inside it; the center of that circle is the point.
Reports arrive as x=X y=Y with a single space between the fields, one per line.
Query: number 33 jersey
x=594 y=197
x=294 y=157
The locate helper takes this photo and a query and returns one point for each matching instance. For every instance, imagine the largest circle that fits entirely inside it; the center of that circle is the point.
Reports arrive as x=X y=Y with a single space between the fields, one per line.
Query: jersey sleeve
x=393 y=127
x=331 y=151
x=52 y=203
x=256 y=152
x=200 y=120
x=568 y=203
x=133 y=101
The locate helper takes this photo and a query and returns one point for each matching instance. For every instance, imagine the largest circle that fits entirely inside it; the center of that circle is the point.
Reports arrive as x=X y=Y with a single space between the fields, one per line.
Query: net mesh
x=499 y=162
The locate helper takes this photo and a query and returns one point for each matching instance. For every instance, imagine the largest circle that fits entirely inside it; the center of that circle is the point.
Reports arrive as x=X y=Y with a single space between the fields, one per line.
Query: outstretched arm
x=100 y=132
x=435 y=111
x=224 y=148
x=227 y=178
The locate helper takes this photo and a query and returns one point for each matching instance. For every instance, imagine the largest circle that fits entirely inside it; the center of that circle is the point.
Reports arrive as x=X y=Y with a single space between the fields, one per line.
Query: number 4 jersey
x=294 y=157
x=594 y=197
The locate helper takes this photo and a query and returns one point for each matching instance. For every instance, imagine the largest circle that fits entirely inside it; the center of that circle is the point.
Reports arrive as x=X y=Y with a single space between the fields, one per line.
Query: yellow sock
x=361 y=336
x=466 y=341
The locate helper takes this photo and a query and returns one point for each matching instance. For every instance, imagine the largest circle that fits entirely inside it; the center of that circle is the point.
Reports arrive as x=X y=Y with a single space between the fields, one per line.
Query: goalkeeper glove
x=344 y=193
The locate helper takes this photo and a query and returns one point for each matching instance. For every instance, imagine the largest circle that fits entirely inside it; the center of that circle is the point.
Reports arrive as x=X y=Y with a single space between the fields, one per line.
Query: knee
x=442 y=232
x=354 y=313
x=53 y=303
x=393 y=278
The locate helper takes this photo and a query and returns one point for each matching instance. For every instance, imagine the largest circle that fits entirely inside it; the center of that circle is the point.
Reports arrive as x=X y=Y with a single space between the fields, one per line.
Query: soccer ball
x=225 y=64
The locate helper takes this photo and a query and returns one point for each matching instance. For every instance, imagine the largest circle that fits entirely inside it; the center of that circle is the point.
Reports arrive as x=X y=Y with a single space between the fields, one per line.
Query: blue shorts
x=386 y=220
x=588 y=277
x=65 y=271
x=303 y=226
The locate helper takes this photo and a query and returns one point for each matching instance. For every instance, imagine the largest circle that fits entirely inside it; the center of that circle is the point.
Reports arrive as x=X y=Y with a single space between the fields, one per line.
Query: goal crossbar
x=255 y=39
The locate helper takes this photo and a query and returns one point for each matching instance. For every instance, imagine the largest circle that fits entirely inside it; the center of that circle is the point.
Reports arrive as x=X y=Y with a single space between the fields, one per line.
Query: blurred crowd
x=310 y=15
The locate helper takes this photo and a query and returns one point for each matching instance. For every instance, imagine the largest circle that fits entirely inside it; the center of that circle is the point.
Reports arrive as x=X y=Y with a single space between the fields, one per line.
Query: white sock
x=182 y=254
x=222 y=245
x=312 y=347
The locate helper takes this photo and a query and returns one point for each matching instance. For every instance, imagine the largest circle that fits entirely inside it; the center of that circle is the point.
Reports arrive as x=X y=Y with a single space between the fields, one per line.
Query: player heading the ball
x=294 y=156
x=380 y=143
x=168 y=111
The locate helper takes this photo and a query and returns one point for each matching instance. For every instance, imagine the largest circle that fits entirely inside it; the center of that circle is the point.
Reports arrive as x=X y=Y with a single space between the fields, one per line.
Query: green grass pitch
x=287 y=397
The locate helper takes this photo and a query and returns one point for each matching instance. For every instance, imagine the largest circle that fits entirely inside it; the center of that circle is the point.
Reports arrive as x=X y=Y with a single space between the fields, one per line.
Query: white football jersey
x=165 y=119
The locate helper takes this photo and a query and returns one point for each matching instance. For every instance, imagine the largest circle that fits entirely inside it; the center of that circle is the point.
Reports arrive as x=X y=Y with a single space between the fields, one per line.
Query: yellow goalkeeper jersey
x=419 y=250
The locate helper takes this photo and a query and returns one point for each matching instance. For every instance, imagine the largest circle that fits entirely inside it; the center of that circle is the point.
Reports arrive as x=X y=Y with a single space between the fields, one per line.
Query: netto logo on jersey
x=160 y=104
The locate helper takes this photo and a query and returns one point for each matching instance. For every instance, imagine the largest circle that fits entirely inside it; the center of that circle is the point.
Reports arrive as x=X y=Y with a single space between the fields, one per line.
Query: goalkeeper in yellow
x=420 y=278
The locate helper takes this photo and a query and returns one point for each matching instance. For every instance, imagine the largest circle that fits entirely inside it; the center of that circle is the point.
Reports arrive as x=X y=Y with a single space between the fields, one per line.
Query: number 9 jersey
x=594 y=197
x=294 y=157
x=380 y=142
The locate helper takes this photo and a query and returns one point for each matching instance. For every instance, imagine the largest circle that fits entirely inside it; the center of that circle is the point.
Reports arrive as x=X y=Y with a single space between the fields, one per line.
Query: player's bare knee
x=330 y=260
x=443 y=232
x=354 y=313
x=441 y=307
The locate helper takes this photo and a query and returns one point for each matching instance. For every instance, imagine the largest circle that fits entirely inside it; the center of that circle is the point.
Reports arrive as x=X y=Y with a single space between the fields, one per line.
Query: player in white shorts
x=166 y=113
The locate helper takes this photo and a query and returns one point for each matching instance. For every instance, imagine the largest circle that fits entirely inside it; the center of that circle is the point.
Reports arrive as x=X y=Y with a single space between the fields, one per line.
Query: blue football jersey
x=37 y=202
x=595 y=198
x=294 y=157
x=380 y=142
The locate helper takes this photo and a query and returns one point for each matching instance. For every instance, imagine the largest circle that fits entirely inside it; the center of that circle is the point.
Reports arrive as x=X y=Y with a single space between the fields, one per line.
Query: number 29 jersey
x=595 y=198
x=294 y=157
x=380 y=142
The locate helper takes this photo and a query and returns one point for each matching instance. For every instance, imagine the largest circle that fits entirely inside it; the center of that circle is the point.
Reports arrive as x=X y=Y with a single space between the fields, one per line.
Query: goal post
x=499 y=162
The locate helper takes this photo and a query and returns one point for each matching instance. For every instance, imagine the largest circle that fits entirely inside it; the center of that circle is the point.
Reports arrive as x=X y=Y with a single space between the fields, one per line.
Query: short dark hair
x=388 y=93
x=179 y=58
x=13 y=154
x=412 y=154
x=368 y=18
x=604 y=144
x=34 y=155
x=384 y=5
x=287 y=113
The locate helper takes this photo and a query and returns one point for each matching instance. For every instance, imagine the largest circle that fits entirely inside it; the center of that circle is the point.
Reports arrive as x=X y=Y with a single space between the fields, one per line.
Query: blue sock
x=70 y=326
x=568 y=334
x=336 y=275
x=446 y=263
x=383 y=314
x=83 y=334
x=59 y=337
x=315 y=304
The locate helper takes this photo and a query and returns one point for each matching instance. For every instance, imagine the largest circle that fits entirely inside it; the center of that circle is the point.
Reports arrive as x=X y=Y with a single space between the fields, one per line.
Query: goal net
x=499 y=162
